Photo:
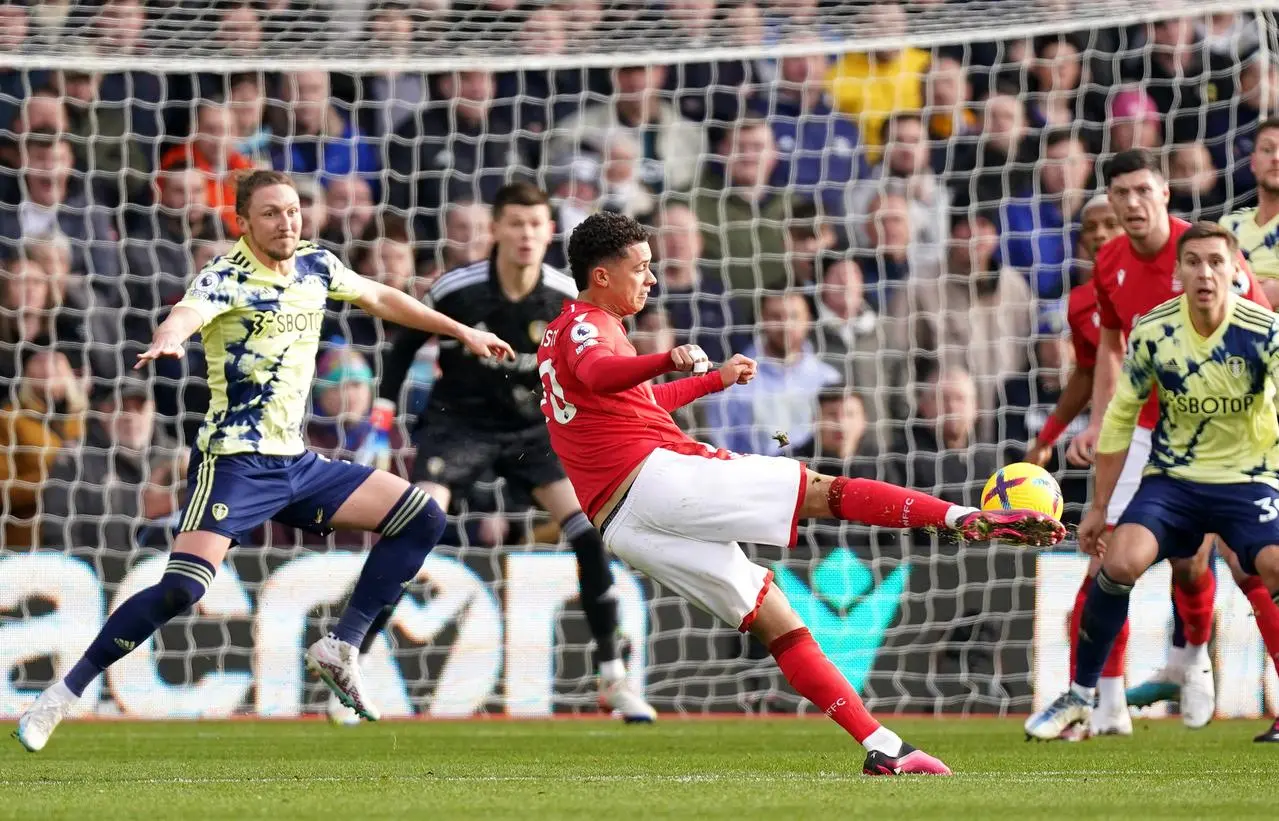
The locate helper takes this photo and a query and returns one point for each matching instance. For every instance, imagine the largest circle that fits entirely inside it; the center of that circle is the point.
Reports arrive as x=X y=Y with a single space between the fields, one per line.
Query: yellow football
x=1023 y=486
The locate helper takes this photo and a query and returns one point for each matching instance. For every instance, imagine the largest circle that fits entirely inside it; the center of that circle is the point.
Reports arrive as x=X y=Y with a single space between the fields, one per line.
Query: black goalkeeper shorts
x=457 y=455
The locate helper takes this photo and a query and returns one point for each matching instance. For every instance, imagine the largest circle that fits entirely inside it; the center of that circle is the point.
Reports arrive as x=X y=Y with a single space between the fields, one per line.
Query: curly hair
x=602 y=236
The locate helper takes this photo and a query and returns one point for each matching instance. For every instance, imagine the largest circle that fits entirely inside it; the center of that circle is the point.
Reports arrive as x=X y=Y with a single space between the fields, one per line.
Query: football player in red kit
x=676 y=509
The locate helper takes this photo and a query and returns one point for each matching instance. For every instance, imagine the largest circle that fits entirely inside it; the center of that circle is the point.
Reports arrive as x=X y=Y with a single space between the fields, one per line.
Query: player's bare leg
x=1129 y=552
x=867 y=501
x=410 y=523
x=192 y=564
x=806 y=667
x=598 y=599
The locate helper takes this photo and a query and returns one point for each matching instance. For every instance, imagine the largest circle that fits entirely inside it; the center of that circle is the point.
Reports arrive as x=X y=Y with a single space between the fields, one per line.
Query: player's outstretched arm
x=171 y=337
x=671 y=396
x=1074 y=398
x=395 y=306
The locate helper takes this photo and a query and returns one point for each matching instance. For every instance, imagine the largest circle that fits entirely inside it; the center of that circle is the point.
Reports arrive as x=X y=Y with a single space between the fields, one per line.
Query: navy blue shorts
x=1180 y=513
x=234 y=494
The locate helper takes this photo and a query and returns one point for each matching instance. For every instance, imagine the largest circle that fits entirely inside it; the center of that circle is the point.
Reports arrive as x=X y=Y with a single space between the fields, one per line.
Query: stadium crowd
x=891 y=234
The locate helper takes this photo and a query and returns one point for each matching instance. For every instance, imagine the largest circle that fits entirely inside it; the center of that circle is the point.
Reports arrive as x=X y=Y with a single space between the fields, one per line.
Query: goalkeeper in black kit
x=482 y=418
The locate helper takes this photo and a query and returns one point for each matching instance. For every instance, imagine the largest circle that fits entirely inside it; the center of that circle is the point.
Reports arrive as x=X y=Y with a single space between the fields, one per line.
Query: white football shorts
x=1130 y=477
x=683 y=517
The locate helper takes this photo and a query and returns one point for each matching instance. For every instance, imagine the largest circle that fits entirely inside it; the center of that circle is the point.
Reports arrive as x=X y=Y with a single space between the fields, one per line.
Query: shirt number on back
x=552 y=393
x=1268 y=510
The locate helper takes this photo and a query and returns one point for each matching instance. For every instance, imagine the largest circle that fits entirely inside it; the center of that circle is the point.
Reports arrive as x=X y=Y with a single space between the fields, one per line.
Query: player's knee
x=185 y=581
x=415 y=516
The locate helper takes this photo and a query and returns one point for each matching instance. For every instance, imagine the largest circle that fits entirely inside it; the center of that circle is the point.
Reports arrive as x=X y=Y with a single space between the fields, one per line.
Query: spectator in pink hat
x=1135 y=122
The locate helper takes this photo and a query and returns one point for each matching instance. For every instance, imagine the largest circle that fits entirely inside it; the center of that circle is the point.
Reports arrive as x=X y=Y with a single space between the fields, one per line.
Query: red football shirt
x=1085 y=323
x=1129 y=285
x=600 y=437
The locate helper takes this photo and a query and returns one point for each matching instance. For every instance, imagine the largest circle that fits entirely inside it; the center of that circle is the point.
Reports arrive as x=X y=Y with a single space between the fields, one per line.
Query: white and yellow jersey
x=1259 y=244
x=261 y=333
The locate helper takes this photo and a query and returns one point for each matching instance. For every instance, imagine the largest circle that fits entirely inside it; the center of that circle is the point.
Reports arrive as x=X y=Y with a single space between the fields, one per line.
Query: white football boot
x=616 y=696
x=338 y=665
x=43 y=717
x=1111 y=716
x=1052 y=722
x=1198 y=693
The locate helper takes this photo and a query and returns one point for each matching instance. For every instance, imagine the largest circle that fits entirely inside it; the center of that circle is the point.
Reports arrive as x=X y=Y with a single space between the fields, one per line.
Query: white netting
x=918 y=190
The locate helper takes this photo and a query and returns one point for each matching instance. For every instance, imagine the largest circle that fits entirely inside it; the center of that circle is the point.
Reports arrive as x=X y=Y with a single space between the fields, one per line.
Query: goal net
x=881 y=201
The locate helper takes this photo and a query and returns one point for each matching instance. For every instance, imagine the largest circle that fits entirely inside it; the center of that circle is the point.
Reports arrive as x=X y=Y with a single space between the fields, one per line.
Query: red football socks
x=816 y=679
x=1266 y=612
x=1118 y=658
x=880 y=504
x=1195 y=601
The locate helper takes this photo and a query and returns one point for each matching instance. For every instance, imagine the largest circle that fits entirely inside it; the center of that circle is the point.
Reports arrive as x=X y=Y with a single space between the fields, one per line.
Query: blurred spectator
x=872 y=86
x=741 y=215
x=808 y=236
x=977 y=316
x=716 y=90
x=212 y=151
x=1192 y=183
x=905 y=168
x=51 y=205
x=622 y=187
x=1036 y=225
x=349 y=205
x=671 y=146
x=985 y=172
x=819 y=151
x=467 y=238
x=387 y=259
x=537 y=99
x=157 y=252
x=316 y=138
x=1134 y=122
x=947 y=97
x=14 y=25
x=884 y=254
x=315 y=211
x=239 y=32
x=73 y=324
x=783 y=18
x=849 y=338
x=30 y=319
x=119 y=32
x=1230 y=127
x=839 y=446
x=388 y=99
x=936 y=452
x=47 y=414
x=125 y=478
x=576 y=187
x=1056 y=71
x=1171 y=70
x=106 y=148
x=457 y=147
x=251 y=138
x=694 y=305
x=783 y=396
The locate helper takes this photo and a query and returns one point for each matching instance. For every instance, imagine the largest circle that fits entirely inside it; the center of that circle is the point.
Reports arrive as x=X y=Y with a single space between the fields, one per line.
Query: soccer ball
x=1023 y=486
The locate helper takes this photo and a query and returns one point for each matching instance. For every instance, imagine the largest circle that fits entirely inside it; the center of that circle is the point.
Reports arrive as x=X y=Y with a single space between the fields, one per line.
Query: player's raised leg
x=870 y=502
x=410 y=524
x=599 y=600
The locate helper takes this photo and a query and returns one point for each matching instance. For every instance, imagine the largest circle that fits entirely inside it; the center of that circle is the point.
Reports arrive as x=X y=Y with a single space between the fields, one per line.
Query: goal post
x=933 y=292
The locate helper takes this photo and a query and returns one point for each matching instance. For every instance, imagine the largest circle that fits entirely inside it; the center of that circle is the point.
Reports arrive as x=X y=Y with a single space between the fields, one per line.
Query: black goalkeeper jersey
x=484 y=393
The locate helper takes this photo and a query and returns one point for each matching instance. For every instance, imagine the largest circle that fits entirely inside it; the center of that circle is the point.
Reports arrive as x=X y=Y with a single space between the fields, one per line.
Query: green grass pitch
x=735 y=768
